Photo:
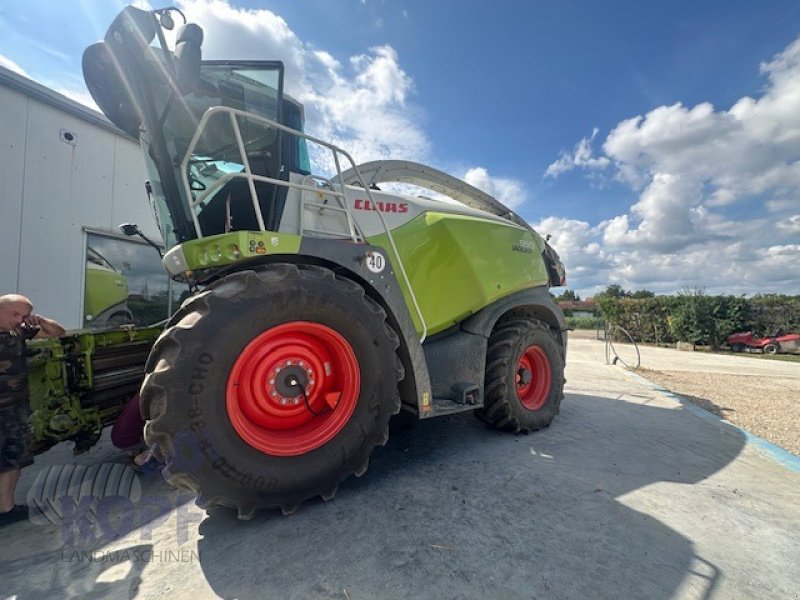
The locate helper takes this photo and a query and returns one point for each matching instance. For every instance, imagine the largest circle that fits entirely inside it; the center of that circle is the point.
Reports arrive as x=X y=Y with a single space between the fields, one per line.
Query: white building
x=69 y=179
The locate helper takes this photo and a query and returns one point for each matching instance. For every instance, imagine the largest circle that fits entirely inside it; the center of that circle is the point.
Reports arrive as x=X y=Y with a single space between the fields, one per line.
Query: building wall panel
x=53 y=191
x=12 y=168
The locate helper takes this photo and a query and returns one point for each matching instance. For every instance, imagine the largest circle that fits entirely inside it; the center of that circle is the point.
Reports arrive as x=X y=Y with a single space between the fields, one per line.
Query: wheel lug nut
x=296 y=401
x=283 y=401
x=273 y=393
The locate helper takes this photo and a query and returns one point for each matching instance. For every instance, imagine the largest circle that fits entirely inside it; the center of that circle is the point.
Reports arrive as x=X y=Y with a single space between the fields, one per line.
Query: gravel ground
x=758 y=395
x=768 y=407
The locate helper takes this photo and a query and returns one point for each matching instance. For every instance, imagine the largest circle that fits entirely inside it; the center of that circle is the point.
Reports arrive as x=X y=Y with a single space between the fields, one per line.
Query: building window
x=125 y=284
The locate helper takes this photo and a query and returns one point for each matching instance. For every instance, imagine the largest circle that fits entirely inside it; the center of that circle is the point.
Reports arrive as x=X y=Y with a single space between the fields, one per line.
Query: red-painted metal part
x=749 y=339
x=533 y=378
x=288 y=424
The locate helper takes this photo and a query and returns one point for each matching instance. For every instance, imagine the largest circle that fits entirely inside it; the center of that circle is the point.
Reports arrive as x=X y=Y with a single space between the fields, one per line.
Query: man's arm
x=48 y=328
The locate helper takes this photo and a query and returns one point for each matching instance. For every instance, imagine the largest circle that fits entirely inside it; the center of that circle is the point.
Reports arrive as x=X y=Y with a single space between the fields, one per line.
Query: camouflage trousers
x=15 y=438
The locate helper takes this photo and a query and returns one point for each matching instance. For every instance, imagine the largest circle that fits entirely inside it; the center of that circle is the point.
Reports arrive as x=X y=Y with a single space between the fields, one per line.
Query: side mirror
x=188 y=57
x=129 y=229
x=133 y=229
x=166 y=21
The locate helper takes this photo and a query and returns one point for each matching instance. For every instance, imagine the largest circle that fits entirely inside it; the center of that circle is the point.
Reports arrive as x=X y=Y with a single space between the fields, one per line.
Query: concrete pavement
x=628 y=494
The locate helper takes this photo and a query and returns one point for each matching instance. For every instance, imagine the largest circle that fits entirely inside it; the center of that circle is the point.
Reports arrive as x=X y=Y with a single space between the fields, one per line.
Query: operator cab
x=198 y=160
x=220 y=194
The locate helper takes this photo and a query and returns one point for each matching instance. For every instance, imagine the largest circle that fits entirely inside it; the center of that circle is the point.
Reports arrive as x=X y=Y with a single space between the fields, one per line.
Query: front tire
x=524 y=377
x=271 y=387
x=771 y=348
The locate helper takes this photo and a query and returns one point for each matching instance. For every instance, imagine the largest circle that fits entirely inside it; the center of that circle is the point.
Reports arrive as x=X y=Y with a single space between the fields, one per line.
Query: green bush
x=690 y=319
x=774 y=313
x=585 y=322
x=646 y=319
x=692 y=316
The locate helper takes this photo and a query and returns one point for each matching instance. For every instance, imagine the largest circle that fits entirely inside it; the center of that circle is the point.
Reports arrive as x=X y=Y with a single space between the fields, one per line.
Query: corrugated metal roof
x=43 y=94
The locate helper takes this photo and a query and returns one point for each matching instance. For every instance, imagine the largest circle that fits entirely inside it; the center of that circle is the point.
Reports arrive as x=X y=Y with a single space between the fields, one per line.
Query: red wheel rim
x=282 y=423
x=533 y=378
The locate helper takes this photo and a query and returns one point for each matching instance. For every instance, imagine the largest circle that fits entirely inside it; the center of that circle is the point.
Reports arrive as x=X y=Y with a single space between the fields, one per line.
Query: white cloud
x=79 y=96
x=510 y=192
x=697 y=170
x=12 y=66
x=588 y=265
x=734 y=266
x=582 y=156
x=380 y=74
x=790 y=225
x=361 y=104
x=666 y=217
x=783 y=205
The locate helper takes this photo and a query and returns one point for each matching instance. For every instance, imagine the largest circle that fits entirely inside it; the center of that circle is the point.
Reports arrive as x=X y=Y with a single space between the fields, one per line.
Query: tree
x=568 y=295
x=640 y=294
x=710 y=319
x=731 y=314
x=691 y=319
x=608 y=301
x=615 y=290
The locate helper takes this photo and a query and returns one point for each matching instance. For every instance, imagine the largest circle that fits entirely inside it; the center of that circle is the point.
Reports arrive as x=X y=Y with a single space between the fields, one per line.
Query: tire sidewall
x=198 y=421
x=536 y=419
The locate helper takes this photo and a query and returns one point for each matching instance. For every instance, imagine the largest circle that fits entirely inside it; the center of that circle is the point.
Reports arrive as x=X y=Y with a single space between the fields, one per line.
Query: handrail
x=355 y=232
x=390 y=237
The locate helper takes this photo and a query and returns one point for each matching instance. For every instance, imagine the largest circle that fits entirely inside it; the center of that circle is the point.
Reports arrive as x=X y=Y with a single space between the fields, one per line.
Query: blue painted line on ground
x=780 y=455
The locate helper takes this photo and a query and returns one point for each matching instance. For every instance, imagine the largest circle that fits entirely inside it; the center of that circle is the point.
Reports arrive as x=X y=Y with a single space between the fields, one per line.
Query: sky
x=658 y=144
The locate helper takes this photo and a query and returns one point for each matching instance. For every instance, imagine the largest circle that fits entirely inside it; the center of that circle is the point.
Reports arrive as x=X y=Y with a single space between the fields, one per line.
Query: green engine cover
x=458 y=264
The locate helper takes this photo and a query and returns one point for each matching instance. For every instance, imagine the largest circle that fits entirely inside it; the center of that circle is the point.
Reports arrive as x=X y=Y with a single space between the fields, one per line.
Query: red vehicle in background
x=786 y=343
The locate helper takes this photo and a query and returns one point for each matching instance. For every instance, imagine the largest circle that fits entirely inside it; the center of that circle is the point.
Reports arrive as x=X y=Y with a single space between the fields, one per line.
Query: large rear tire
x=524 y=382
x=271 y=387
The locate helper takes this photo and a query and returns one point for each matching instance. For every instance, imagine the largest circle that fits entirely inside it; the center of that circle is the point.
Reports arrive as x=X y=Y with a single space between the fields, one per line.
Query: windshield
x=254 y=88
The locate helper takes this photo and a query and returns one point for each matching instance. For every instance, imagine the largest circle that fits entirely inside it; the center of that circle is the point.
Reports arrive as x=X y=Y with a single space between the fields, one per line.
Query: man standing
x=17 y=324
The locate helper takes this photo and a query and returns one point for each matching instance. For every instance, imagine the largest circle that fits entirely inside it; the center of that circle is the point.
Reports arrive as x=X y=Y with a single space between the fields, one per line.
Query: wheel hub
x=291 y=381
x=533 y=378
x=524 y=376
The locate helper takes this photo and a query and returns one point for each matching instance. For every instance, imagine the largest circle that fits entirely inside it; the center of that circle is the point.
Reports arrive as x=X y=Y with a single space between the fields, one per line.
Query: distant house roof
x=587 y=305
x=43 y=94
